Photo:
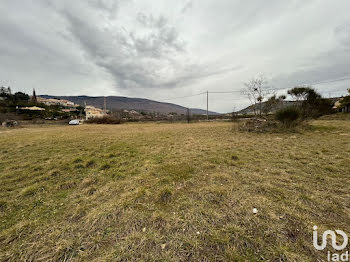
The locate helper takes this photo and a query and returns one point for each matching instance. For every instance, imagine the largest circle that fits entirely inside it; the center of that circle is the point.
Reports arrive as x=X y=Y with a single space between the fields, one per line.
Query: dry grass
x=170 y=192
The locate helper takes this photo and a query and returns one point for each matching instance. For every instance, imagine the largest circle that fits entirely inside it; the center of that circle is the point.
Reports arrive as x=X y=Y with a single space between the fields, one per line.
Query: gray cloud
x=105 y=6
x=160 y=48
x=342 y=34
x=151 y=59
x=188 y=5
x=325 y=66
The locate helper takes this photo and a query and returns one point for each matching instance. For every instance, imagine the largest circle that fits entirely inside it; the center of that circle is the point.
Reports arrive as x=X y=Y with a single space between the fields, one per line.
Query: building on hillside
x=93 y=112
x=132 y=115
x=341 y=107
x=58 y=102
x=32 y=108
x=69 y=110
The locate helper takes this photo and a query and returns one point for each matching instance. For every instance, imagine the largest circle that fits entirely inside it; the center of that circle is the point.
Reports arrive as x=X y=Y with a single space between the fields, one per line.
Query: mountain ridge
x=129 y=103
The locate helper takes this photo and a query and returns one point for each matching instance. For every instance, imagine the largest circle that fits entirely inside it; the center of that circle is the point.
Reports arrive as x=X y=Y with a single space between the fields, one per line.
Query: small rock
x=163 y=246
x=255 y=211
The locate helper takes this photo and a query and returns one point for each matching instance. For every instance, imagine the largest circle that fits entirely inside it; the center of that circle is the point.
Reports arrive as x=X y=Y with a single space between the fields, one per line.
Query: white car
x=74 y=122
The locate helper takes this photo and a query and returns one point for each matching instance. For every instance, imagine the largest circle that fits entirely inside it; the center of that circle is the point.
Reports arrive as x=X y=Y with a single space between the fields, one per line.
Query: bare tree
x=256 y=90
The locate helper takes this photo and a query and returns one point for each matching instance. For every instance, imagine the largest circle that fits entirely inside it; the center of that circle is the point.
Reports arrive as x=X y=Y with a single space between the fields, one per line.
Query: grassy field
x=171 y=192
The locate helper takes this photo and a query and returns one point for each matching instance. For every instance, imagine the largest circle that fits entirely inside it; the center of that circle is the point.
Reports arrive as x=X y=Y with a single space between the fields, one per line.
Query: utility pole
x=207 y=105
x=188 y=115
x=86 y=115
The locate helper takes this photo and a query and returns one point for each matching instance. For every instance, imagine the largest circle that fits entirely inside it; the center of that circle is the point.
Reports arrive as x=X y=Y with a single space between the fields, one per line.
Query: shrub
x=104 y=120
x=288 y=116
x=311 y=104
x=258 y=125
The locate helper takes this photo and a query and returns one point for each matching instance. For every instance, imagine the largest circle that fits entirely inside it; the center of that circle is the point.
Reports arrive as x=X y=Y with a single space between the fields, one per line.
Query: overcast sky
x=162 y=49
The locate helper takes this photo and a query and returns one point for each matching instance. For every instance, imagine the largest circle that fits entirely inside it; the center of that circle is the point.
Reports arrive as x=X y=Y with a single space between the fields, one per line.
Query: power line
x=181 y=97
x=318 y=83
x=271 y=89
x=224 y=92
x=207 y=105
x=331 y=81
x=283 y=88
x=239 y=91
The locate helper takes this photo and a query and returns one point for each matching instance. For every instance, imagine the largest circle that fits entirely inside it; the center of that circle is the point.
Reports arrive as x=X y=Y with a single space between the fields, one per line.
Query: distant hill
x=138 y=104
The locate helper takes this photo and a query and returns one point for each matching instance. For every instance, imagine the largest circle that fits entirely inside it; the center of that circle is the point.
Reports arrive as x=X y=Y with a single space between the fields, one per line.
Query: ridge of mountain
x=128 y=103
